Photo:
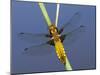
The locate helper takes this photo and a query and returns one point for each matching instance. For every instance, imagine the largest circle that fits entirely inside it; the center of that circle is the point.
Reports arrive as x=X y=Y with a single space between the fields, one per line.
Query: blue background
x=27 y=17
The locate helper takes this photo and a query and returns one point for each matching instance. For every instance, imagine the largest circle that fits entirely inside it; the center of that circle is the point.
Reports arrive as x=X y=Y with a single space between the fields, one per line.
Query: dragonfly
x=44 y=43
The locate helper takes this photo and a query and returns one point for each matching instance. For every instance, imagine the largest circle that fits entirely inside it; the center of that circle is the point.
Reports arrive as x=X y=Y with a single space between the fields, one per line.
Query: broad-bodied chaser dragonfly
x=43 y=43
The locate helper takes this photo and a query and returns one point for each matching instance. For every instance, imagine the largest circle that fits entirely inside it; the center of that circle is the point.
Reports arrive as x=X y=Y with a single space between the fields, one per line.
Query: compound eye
x=55 y=30
x=52 y=31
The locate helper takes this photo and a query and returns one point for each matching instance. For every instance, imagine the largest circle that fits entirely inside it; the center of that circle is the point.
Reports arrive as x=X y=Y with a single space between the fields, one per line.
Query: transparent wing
x=39 y=50
x=70 y=37
x=71 y=24
x=34 y=38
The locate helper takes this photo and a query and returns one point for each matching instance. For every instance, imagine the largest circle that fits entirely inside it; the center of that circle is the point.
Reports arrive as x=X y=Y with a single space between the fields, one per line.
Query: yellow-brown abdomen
x=60 y=52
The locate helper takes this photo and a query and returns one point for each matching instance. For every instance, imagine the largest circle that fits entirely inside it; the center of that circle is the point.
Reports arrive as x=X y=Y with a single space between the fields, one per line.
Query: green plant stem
x=45 y=14
x=67 y=65
x=47 y=19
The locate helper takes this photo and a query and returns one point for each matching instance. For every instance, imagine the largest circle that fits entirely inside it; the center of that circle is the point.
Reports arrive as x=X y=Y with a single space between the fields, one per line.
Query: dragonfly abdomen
x=60 y=52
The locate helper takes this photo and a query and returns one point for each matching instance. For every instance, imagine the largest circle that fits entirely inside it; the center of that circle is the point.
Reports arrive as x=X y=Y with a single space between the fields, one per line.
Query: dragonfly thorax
x=54 y=33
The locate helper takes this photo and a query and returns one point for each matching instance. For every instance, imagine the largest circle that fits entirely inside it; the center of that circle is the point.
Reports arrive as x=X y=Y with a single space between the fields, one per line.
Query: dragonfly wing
x=34 y=38
x=73 y=22
x=38 y=50
x=70 y=37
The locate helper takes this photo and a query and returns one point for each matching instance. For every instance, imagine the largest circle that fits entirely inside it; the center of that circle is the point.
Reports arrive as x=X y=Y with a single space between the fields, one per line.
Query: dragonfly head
x=53 y=29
